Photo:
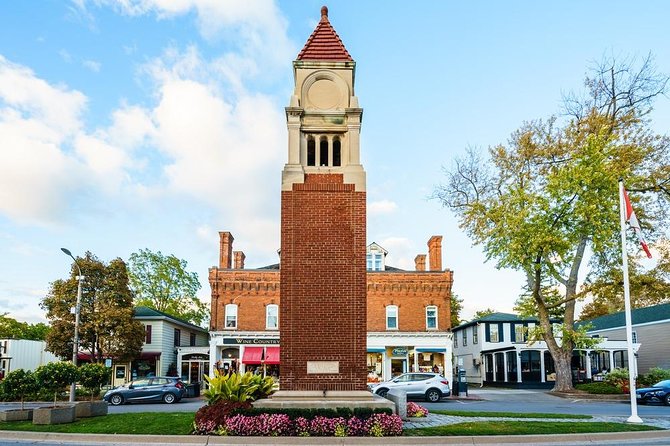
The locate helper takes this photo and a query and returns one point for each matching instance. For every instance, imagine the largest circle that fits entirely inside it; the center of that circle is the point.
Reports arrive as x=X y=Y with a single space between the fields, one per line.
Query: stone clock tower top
x=323 y=117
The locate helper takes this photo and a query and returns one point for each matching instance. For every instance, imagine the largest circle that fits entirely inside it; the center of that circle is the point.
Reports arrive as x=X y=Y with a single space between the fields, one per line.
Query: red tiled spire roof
x=324 y=43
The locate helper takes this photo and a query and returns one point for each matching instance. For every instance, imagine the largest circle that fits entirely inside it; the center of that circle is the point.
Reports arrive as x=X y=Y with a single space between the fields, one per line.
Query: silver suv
x=432 y=386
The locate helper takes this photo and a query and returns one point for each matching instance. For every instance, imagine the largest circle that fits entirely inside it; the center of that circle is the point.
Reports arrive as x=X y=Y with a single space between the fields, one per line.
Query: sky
x=132 y=124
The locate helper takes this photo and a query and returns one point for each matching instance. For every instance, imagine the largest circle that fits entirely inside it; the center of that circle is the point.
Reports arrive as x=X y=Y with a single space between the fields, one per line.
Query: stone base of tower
x=329 y=399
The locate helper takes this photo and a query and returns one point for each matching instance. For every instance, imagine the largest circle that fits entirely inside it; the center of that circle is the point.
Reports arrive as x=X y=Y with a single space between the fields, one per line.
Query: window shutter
x=512 y=332
x=501 y=334
x=488 y=332
x=147 y=339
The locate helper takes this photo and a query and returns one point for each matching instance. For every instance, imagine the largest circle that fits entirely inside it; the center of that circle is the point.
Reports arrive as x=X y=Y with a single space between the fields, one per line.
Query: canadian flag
x=631 y=219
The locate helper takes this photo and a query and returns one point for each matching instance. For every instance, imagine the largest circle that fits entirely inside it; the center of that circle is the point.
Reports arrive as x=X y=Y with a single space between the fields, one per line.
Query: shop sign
x=250 y=341
x=399 y=351
x=195 y=357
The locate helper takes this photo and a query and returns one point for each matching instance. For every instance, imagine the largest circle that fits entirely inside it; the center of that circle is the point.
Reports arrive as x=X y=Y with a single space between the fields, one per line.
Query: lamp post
x=75 y=344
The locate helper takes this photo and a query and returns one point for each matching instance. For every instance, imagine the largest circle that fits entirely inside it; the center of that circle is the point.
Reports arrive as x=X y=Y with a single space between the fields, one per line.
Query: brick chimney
x=225 y=249
x=420 y=262
x=435 y=253
x=239 y=259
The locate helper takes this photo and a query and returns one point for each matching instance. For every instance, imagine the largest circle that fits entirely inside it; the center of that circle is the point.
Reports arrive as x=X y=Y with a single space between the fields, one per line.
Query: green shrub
x=237 y=387
x=653 y=376
x=618 y=378
x=55 y=376
x=600 y=388
x=92 y=376
x=18 y=384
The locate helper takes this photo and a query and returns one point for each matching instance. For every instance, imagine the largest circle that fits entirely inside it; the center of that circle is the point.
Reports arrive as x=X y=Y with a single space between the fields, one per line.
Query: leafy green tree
x=483 y=313
x=541 y=200
x=456 y=308
x=18 y=384
x=163 y=283
x=106 y=326
x=92 y=376
x=56 y=376
x=13 y=329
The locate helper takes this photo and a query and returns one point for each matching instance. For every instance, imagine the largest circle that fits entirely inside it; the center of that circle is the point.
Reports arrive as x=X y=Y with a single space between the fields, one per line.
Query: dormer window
x=376 y=258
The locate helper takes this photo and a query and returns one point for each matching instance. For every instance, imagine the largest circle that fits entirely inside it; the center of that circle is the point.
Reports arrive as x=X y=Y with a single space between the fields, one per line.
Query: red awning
x=252 y=355
x=272 y=355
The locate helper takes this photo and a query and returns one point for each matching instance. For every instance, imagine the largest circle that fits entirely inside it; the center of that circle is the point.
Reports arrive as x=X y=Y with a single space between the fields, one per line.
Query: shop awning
x=272 y=355
x=431 y=350
x=252 y=355
x=376 y=349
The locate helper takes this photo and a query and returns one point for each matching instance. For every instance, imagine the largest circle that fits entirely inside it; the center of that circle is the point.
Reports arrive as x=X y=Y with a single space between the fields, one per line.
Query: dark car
x=431 y=386
x=158 y=388
x=659 y=393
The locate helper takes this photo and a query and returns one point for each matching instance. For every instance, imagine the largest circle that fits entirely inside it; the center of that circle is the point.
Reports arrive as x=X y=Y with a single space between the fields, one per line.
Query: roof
x=324 y=43
x=644 y=315
x=151 y=313
x=496 y=317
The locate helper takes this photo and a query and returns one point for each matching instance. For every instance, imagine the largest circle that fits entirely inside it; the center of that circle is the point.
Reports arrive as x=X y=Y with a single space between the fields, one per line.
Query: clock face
x=324 y=94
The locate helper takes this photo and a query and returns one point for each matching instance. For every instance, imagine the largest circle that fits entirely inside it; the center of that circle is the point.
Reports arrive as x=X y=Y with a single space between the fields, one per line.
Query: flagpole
x=634 y=418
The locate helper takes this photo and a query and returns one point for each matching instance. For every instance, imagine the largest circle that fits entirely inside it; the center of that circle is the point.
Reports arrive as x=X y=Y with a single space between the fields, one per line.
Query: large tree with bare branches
x=539 y=202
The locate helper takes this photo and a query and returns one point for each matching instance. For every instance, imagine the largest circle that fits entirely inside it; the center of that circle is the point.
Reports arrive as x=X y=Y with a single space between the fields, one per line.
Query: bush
x=599 y=388
x=18 y=384
x=653 y=376
x=55 y=376
x=92 y=376
x=416 y=410
x=208 y=418
x=237 y=387
x=618 y=378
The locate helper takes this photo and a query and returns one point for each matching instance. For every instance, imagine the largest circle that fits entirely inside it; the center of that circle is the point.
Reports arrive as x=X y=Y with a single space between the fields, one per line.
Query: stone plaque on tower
x=323 y=227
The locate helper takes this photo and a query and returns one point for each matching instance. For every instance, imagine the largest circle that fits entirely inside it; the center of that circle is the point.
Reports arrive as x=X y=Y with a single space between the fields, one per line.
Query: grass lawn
x=524 y=428
x=463 y=413
x=148 y=423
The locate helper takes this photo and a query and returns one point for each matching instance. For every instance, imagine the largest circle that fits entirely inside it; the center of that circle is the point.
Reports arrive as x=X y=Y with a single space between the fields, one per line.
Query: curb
x=591 y=396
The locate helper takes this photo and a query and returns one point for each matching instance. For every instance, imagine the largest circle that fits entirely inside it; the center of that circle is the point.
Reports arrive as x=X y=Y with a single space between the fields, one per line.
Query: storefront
x=193 y=364
x=253 y=352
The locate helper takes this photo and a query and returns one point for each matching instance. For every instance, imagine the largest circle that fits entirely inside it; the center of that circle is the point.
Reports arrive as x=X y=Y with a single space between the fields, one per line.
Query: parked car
x=659 y=393
x=431 y=386
x=158 y=388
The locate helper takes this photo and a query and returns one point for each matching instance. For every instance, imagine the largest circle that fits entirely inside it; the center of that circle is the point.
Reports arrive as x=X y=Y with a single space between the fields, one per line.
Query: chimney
x=225 y=249
x=239 y=259
x=420 y=262
x=435 y=253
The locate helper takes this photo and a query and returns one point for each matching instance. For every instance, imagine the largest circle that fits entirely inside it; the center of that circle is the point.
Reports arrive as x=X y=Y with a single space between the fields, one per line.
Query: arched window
x=272 y=317
x=337 y=152
x=392 y=317
x=431 y=320
x=231 y=316
x=311 y=152
x=323 y=152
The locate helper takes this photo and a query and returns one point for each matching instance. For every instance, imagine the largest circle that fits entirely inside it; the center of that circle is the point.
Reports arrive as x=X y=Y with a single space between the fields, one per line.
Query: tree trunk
x=563 y=365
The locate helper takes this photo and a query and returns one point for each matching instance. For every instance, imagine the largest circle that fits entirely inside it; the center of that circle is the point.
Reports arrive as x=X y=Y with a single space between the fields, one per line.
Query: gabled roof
x=375 y=246
x=324 y=43
x=152 y=314
x=644 y=315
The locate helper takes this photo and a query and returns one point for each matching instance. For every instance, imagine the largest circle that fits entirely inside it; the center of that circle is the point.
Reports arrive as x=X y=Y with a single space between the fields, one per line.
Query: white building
x=23 y=354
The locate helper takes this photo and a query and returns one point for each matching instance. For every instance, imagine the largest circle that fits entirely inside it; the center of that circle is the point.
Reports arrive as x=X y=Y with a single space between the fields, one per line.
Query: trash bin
x=463 y=388
x=193 y=390
x=455 y=388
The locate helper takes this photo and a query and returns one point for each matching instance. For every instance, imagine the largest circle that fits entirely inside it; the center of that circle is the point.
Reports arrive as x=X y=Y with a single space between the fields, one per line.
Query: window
x=493 y=332
x=191 y=339
x=177 y=337
x=465 y=337
x=374 y=261
x=323 y=152
x=634 y=337
x=520 y=333
x=337 y=157
x=311 y=152
x=431 y=317
x=272 y=317
x=392 y=317
x=231 y=316
x=147 y=335
x=455 y=339
x=475 y=335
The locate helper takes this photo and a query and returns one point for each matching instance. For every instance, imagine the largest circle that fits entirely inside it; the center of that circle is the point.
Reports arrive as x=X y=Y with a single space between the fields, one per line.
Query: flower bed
x=416 y=410
x=222 y=420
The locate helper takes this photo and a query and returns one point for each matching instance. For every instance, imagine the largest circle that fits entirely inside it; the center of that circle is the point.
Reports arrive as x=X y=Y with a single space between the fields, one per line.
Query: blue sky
x=154 y=124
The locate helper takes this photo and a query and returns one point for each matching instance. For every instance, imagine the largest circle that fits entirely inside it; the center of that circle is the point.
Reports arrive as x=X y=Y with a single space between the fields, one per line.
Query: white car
x=432 y=386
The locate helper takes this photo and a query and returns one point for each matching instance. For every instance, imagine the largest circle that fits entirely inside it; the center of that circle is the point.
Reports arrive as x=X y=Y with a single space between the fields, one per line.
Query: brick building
x=407 y=318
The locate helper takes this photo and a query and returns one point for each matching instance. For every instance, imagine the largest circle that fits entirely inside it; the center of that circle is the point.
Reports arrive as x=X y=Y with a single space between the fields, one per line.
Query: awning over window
x=252 y=355
x=431 y=350
x=376 y=349
x=272 y=355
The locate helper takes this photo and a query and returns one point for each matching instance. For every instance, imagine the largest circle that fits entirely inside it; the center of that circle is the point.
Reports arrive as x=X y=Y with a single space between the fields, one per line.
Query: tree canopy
x=106 y=327
x=163 y=283
x=13 y=329
x=456 y=308
x=537 y=203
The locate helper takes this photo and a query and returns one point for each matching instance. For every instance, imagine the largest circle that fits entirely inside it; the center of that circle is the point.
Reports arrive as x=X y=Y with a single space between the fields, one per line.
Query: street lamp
x=75 y=344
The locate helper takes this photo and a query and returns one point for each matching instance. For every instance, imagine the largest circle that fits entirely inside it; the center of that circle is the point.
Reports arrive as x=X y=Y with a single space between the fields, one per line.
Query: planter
x=16 y=415
x=85 y=409
x=54 y=415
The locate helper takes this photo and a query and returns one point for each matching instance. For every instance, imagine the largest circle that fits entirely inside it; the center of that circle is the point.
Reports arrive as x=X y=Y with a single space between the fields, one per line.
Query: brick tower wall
x=323 y=284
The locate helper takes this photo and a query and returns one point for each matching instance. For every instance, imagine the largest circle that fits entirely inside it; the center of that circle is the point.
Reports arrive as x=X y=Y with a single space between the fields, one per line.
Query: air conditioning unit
x=476 y=362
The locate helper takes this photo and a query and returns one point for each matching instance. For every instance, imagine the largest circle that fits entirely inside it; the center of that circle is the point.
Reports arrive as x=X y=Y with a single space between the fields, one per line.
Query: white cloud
x=382 y=207
x=401 y=252
x=92 y=65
